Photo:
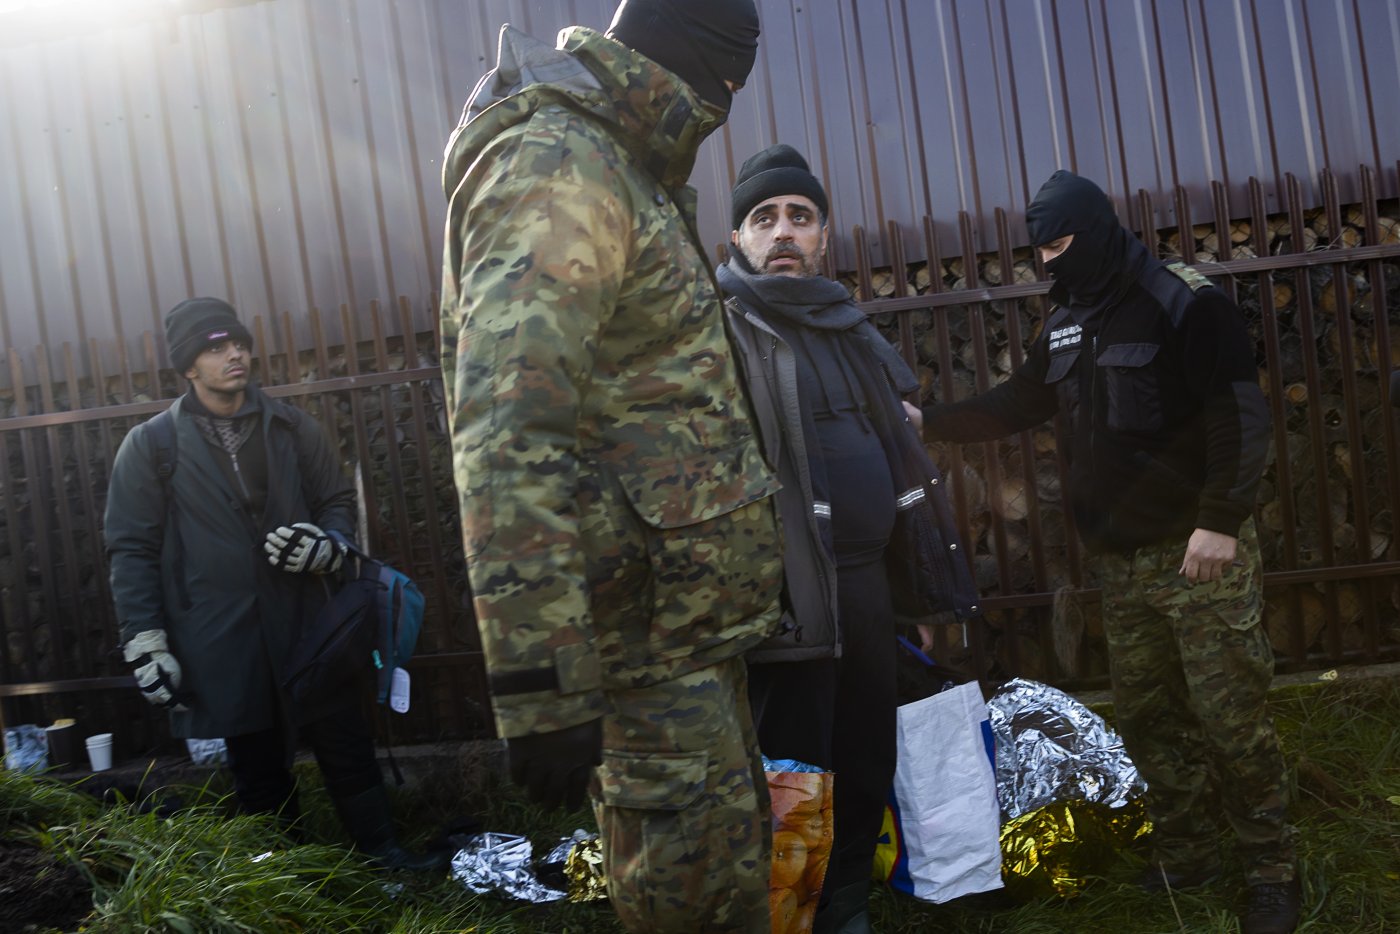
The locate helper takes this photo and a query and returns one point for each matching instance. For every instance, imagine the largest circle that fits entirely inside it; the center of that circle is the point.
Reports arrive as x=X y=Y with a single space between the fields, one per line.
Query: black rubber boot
x=846 y=913
x=371 y=826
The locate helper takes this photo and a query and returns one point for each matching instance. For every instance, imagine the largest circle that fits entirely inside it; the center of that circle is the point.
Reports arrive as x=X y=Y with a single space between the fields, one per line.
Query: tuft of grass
x=203 y=871
x=30 y=802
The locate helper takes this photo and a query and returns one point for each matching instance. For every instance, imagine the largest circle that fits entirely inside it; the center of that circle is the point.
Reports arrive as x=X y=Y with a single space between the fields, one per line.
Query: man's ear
x=734 y=237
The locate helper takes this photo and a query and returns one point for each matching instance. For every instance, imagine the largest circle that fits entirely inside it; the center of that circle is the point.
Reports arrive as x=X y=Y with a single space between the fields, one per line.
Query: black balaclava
x=1095 y=260
x=704 y=43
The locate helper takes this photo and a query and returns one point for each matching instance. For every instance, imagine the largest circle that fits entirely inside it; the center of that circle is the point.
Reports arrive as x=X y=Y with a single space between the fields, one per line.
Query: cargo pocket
x=1134 y=403
x=649 y=823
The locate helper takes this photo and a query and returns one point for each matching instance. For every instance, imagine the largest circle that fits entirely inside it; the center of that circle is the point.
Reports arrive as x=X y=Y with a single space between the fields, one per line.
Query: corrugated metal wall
x=285 y=153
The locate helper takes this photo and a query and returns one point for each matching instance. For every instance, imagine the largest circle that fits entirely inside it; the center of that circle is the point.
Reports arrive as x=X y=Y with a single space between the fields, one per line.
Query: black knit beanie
x=777 y=170
x=195 y=323
x=704 y=43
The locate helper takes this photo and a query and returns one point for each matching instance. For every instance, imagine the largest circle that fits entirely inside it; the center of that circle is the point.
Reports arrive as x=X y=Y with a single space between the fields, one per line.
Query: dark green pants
x=682 y=806
x=1191 y=668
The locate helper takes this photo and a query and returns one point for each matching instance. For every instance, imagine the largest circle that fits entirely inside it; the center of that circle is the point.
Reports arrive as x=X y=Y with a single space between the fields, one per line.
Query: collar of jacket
x=256 y=400
x=657 y=116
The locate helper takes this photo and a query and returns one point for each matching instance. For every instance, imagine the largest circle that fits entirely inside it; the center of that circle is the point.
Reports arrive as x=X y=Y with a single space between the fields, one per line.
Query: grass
x=195 y=872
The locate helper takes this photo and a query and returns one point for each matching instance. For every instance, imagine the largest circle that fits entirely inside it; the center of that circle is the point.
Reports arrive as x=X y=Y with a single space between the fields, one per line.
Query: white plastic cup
x=99 y=750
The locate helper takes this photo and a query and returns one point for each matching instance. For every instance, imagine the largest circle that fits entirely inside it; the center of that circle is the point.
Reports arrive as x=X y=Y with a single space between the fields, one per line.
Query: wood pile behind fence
x=1319 y=289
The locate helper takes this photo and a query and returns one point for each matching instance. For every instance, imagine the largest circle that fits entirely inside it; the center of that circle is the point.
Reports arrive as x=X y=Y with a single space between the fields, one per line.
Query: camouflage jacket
x=616 y=509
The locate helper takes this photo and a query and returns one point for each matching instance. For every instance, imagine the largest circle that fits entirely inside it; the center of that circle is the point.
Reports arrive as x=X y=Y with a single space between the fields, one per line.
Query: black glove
x=554 y=767
x=303 y=547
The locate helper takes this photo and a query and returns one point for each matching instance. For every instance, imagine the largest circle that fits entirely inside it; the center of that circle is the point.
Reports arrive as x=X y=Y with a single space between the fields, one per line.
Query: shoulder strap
x=162 y=429
x=167 y=449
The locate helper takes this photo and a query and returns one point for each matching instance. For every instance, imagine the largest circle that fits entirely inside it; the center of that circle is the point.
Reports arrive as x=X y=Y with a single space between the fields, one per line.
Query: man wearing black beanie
x=861 y=509
x=226 y=515
x=1154 y=372
x=616 y=509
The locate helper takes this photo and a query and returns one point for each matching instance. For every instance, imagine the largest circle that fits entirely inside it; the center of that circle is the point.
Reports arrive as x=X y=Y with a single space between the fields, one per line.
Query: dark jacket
x=929 y=576
x=1167 y=426
x=243 y=616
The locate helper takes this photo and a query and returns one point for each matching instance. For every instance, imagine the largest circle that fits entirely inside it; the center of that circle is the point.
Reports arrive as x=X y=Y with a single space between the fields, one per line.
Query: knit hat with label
x=196 y=323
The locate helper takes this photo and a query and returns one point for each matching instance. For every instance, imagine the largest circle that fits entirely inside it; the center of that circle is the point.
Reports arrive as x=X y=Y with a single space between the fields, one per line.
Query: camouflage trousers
x=682 y=806
x=1191 y=667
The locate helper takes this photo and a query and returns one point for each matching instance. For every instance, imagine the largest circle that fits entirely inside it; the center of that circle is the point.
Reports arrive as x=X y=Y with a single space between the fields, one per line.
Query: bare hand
x=1208 y=554
x=916 y=417
x=925 y=633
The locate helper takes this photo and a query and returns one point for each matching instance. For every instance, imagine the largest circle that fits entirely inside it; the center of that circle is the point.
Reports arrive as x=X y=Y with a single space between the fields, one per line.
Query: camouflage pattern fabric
x=614 y=500
x=682 y=806
x=1191 y=668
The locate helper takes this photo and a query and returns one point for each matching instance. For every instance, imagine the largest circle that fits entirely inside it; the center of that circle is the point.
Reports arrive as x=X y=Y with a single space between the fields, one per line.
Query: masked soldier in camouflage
x=616 y=508
x=1154 y=372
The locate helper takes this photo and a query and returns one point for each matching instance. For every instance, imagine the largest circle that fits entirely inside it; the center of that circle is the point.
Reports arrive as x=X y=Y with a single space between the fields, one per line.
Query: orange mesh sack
x=802 y=837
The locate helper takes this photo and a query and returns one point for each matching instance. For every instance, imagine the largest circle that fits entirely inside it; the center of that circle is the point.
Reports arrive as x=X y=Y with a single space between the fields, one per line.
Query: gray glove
x=157 y=672
x=303 y=548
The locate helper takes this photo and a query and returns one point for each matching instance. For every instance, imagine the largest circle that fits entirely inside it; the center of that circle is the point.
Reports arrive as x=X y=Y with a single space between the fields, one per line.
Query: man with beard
x=225 y=516
x=1155 y=374
x=868 y=533
x=616 y=509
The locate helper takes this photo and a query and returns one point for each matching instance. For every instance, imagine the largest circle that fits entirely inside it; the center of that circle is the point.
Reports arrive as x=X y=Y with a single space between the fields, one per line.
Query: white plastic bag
x=945 y=801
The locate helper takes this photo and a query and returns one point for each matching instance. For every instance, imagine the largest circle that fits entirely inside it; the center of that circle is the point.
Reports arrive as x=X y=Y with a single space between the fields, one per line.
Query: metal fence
x=1318 y=288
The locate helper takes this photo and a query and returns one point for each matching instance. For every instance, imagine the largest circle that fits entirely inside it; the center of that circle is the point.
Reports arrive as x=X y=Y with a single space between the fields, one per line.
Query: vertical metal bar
x=1351 y=403
x=428 y=483
x=36 y=521
x=325 y=402
x=991 y=456
x=865 y=289
x=61 y=610
x=1283 y=467
x=394 y=462
x=1224 y=236
x=357 y=416
x=1307 y=329
x=87 y=484
x=1380 y=319
x=1010 y=311
x=900 y=269
x=1147 y=230
x=977 y=638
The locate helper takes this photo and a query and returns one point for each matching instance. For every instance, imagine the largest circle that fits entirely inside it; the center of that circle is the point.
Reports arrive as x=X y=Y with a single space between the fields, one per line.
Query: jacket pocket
x=1134 y=400
x=1057 y=374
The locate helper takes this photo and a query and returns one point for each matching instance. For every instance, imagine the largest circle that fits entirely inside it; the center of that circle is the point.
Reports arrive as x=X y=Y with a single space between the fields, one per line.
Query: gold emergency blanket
x=1054 y=850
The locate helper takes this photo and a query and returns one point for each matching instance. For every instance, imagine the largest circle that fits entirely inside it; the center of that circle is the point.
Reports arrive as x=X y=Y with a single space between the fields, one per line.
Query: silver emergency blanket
x=499 y=862
x=1051 y=748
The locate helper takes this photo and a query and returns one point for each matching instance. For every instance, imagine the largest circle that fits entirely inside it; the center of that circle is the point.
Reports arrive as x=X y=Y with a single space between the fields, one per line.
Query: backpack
x=372 y=620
